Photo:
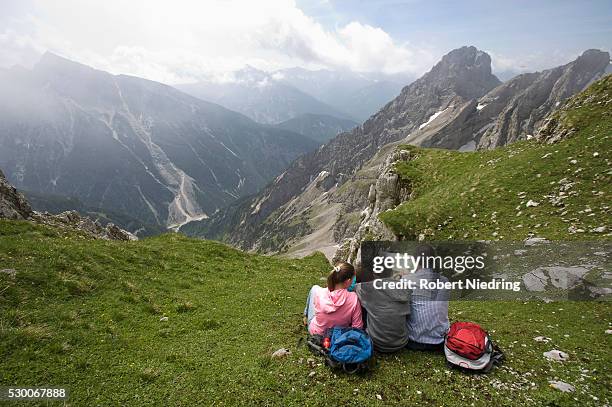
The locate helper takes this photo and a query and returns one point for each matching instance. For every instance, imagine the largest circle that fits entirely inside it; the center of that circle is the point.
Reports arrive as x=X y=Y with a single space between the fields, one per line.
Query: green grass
x=483 y=195
x=86 y=315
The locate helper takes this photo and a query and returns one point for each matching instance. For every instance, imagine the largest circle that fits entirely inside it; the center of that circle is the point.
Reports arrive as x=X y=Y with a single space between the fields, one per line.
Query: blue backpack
x=350 y=349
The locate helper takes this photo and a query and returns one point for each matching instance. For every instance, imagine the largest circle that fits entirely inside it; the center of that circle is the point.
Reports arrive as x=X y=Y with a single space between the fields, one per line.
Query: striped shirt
x=428 y=321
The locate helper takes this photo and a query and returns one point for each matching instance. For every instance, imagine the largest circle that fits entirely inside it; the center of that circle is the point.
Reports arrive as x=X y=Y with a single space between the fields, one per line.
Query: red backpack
x=468 y=346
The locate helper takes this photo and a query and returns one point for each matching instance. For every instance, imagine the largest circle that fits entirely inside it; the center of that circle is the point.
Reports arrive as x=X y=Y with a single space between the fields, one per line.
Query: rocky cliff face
x=13 y=205
x=459 y=77
x=386 y=193
x=514 y=110
x=131 y=145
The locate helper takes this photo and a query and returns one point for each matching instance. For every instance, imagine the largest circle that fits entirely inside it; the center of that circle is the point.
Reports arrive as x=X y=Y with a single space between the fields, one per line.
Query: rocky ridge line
x=13 y=205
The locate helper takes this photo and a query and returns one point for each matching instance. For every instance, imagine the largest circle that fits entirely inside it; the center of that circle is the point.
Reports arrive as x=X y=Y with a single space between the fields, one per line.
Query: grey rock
x=556 y=355
x=13 y=204
x=282 y=352
x=562 y=386
x=532 y=241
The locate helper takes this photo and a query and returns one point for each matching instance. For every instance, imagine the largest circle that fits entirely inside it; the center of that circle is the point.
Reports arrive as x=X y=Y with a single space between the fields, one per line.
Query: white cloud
x=187 y=40
x=529 y=62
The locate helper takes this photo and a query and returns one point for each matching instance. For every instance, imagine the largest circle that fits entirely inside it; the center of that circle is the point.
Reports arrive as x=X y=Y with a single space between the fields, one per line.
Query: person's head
x=341 y=276
x=424 y=251
x=363 y=275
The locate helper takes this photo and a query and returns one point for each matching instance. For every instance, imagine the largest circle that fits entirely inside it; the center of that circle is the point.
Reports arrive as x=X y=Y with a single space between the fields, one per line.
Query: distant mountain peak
x=467 y=70
x=57 y=65
x=50 y=59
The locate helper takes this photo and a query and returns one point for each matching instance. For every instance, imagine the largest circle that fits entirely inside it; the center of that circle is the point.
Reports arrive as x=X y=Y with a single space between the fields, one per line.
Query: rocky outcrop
x=388 y=192
x=559 y=125
x=13 y=205
x=74 y=221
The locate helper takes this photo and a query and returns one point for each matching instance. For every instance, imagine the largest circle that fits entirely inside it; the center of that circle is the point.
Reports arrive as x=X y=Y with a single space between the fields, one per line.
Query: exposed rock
x=281 y=353
x=13 y=204
x=561 y=277
x=556 y=355
x=556 y=127
x=564 y=387
x=386 y=194
x=532 y=241
x=73 y=220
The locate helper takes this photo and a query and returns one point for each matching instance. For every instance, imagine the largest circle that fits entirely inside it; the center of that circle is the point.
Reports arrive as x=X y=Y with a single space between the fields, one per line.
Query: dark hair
x=342 y=272
x=425 y=250
x=364 y=274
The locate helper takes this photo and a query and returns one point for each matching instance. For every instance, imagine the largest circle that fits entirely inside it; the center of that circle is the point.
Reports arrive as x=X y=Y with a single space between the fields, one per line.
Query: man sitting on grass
x=428 y=320
x=386 y=311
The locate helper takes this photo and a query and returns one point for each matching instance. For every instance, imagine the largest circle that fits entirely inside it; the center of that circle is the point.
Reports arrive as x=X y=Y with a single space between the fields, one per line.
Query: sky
x=189 y=40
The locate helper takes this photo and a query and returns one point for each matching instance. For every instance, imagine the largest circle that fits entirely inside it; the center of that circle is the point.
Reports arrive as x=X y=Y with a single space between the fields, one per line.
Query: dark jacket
x=387 y=311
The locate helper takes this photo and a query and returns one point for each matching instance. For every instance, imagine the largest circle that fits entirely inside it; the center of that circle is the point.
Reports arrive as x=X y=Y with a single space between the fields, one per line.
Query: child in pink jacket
x=334 y=305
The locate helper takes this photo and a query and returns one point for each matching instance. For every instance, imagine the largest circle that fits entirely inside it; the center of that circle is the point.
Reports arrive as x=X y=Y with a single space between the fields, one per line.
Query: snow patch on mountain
x=432 y=118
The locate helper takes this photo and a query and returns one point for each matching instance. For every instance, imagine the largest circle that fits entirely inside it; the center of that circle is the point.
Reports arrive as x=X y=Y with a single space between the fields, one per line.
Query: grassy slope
x=86 y=315
x=476 y=195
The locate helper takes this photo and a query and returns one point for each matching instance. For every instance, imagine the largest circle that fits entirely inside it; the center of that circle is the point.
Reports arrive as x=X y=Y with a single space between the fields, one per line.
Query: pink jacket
x=335 y=308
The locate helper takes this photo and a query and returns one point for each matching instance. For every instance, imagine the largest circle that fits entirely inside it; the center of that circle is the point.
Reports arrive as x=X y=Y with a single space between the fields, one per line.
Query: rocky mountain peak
x=466 y=57
x=465 y=70
x=50 y=62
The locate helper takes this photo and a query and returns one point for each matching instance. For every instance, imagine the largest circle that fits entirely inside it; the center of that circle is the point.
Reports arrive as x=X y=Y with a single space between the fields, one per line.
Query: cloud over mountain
x=174 y=43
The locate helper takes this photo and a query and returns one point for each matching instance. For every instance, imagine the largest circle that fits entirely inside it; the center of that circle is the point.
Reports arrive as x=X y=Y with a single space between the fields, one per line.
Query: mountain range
x=130 y=145
x=278 y=96
x=318 y=127
x=319 y=200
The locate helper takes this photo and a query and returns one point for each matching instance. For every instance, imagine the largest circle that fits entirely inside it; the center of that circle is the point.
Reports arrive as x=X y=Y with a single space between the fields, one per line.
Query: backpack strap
x=497 y=357
x=315 y=344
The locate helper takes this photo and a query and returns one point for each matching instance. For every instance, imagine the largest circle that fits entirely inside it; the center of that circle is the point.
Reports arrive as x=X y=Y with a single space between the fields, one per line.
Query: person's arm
x=357 y=322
